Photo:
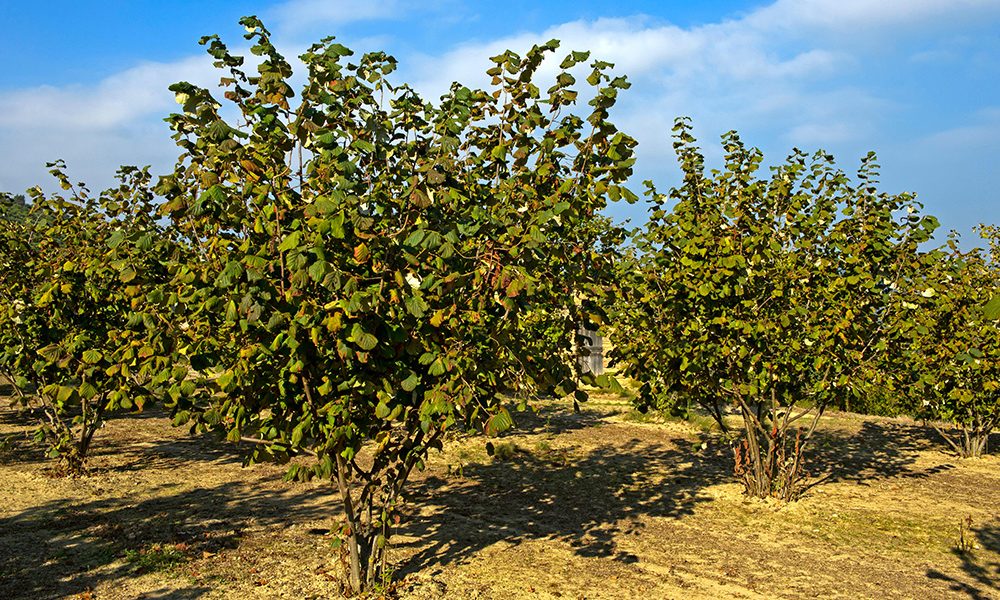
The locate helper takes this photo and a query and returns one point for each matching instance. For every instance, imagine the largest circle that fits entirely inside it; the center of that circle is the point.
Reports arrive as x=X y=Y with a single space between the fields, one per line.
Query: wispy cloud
x=794 y=72
x=858 y=16
x=119 y=99
x=95 y=128
x=725 y=75
x=983 y=127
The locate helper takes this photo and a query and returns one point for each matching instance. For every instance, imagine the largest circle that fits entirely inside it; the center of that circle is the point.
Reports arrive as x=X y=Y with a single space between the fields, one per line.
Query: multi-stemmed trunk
x=972 y=439
x=70 y=445
x=74 y=447
x=370 y=509
x=769 y=458
x=366 y=540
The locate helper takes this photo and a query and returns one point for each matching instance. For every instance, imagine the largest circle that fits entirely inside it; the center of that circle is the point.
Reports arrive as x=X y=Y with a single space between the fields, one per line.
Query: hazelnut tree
x=953 y=355
x=368 y=265
x=766 y=297
x=77 y=340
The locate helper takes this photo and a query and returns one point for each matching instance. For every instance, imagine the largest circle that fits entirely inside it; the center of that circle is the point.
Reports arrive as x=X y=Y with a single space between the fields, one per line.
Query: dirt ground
x=599 y=504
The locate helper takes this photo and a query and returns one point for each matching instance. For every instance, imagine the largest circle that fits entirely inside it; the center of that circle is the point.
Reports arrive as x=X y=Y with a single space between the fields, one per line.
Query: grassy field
x=599 y=504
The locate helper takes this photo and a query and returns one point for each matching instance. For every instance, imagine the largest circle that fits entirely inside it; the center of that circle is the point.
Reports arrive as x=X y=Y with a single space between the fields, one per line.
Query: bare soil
x=596 y=504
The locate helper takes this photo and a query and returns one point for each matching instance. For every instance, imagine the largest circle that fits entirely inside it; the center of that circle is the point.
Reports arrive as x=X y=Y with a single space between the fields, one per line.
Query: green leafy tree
x=13 y=207
x=766 y=296
x=954 y=351
x=369 y=266
x=73 y=339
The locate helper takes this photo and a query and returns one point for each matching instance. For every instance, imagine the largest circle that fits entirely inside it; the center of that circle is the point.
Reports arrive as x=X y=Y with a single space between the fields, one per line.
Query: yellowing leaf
x=361 y=253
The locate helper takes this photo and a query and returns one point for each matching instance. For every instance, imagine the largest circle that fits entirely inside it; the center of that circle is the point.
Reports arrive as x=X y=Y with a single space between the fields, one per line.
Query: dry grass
x=588 y=505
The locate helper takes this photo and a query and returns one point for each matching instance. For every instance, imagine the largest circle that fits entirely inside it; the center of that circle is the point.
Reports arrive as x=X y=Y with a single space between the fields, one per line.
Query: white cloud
x=95 y=128
x=856 y=15
x=117 y=100
x=784 y=74
x=953 y=169
x=98 y=127
x=302 y=15
x=785 y=69
x=729 y=75
x=92 y=156
x=981 y=130
x=641 y=48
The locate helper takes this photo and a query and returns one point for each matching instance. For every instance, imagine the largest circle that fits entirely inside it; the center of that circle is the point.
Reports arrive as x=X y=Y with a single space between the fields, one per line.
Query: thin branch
x=254 y=440
x=947 y=439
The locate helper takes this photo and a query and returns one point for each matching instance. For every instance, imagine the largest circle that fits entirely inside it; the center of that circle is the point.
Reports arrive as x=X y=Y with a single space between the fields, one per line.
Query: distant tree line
x=13 y=207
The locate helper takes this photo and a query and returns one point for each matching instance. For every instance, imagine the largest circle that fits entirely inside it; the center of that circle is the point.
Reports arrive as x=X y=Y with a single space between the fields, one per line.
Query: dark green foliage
x=764 y=296
x=370 y=269
x=950 y=369
x=13 y=208
x=75 y=338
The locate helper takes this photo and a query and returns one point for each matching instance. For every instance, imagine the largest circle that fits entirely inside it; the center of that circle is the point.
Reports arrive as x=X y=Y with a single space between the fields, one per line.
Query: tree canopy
x=370 y=269
x=763 y=294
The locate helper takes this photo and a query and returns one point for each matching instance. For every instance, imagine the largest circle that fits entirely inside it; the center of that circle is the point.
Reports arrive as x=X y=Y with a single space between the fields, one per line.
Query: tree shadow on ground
x=166 y=452
x=877 y=451
x=64 y=547
x=18 y=416
x=982 y=577
x=556 y=416
x=587 y=500
x=17 y=446
x=116 y=448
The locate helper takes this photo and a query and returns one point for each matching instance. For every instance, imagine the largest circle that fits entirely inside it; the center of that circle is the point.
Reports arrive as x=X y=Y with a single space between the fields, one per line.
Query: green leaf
x=116 y=239
x=992 y=308
x=362 y=253
x=290 y=241
x=318 y=270
x=410 y=383
x=498 y=423
x=52 y=352
x=362 y=338
x=337 y=226
x=437 y=367
x=415 y=305
x=609 y=382
x=515 y=287
x=92 y=356
x=87 y=390
x=298 y=433
x=65 y=393
x=225 y=380
x=415 y=238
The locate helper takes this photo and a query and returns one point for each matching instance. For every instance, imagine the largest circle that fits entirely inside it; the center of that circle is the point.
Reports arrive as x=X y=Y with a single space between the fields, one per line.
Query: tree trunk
x=975 y=444
x=973 y=441
x=769 y=460
x=354 y=526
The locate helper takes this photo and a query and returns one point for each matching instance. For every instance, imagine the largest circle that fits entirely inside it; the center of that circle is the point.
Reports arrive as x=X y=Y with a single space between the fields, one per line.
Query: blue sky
x=914 y=80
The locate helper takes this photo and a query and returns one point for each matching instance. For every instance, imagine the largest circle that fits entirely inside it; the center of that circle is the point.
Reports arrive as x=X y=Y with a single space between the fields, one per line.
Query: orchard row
x=349 y=272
